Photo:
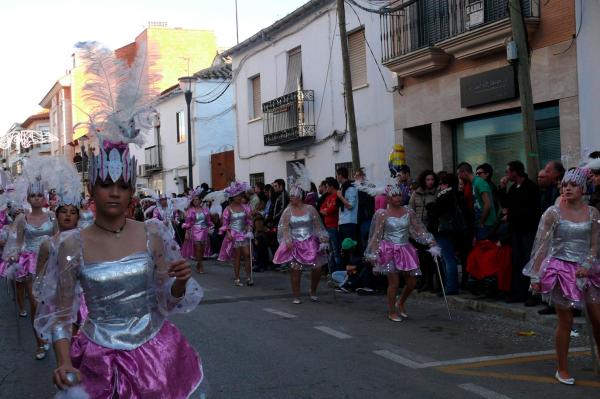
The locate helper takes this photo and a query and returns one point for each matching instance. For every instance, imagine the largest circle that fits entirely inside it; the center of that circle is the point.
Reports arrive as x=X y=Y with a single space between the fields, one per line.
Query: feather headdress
x=216 y=198
x=299 y=183
x=593 y=164
x=120 y=96
x=236 y=188
x=66 y=181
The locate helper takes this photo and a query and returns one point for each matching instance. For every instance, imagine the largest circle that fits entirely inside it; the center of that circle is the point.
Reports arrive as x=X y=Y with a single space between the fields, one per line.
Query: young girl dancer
x=86 y=216
x=129 y=272
x=392 y=254
x=565 y=249
x=303 y=242
x=198 y=225
x=237 y=227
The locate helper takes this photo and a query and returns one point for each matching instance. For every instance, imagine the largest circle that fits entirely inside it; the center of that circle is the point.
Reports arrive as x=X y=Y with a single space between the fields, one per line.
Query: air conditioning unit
x=474 y=14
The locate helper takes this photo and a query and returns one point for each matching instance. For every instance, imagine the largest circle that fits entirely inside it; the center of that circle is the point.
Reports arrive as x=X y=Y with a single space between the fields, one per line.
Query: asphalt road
x=255 y=343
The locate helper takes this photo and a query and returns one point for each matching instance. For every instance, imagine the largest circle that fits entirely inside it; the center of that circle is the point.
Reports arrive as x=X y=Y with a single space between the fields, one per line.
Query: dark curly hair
x=423 y=177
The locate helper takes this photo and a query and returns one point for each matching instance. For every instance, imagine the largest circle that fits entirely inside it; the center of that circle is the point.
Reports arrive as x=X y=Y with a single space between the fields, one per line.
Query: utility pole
x=237 y=35
x=524 y=77
x=341 y=11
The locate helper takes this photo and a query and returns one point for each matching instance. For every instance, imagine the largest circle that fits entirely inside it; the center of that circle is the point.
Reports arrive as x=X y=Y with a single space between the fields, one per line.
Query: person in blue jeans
x=448 y=226
x=348 y=205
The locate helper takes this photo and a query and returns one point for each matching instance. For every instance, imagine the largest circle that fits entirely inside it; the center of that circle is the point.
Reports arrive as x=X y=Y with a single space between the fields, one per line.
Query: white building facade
x=289 y=96
x=163 y=160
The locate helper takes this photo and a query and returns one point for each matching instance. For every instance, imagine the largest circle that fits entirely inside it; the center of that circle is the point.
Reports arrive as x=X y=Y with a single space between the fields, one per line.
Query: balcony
x=153 y=159
x=289 y=119
x=426 y=35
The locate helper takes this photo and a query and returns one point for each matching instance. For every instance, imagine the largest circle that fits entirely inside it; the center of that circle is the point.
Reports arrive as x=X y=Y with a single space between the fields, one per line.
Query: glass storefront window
x=497 y=139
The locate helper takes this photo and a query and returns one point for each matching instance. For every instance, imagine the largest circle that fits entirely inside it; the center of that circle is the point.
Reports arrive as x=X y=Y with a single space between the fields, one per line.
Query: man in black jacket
x=521 y=200
x=282 y=201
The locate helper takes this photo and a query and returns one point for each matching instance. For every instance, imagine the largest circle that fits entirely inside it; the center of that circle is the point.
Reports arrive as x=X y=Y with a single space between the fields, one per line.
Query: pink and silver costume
x=389 y=248
x=25 y=246
x=562 y=247
x=126 y=348
x=306 y=235
x=198 y=223
x=238 y=225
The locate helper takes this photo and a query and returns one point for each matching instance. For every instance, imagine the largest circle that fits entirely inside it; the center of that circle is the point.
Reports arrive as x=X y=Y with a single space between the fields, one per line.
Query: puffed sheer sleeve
x=208 y=219
x=283 y=228
x=226 y=220
x=593 y=260
x=318 y=228
x=164 y=251
x=57 y=289
x=417 y=229
x=14 y=244
x=375 y=235
x=248 y=212
x=543 y=244
x=190 y=219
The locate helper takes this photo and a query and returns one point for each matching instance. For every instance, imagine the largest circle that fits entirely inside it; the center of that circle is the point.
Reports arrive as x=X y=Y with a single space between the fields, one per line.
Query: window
x=180 y=120
x=358 y=58
x=294 y=71
x=256 y=178
x=347 y=165
x=498 y=139
x=256 y=110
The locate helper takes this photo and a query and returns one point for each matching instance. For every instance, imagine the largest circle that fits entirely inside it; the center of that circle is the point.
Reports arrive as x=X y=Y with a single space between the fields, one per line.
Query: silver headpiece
x=577 y=176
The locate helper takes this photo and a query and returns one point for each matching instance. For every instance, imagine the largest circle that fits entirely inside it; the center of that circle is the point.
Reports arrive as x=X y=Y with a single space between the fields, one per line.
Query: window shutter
x=294 y=71
x=358 y=59
x=256 y=102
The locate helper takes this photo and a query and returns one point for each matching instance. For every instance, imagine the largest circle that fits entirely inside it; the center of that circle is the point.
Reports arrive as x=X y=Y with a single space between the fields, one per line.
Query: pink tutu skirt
x=302 y=255
x=164 y=367
x=395 y=258
x=558 y=284
x=24 y=270
x=239 y=240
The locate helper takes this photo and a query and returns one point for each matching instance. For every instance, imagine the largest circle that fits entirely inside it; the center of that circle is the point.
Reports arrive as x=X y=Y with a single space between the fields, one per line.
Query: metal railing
x=153 y=158
x=289 y=118
x=428 y=22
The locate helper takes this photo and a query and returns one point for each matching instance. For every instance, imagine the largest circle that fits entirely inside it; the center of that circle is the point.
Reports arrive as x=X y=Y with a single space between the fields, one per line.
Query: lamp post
x=185 y=83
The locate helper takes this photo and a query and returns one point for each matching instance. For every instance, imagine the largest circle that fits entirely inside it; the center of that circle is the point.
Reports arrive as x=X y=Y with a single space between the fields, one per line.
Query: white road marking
x=419 y=365
x=483 y=392
x=394 y=357
x=280 y=313
x=332 y=332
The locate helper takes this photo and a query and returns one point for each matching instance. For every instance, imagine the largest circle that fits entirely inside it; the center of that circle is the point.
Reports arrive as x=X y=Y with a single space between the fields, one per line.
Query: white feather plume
x=593 y=163
x=65 y=179
x=120 y=95
x=301 y=177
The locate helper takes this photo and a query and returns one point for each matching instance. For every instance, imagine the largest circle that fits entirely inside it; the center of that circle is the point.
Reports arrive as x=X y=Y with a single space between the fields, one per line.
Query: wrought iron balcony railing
x=153 y=159
x=428 y=22
x=289 y=118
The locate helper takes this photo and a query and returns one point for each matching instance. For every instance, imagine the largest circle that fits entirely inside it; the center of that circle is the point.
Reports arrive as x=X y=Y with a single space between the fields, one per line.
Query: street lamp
x=185 y=84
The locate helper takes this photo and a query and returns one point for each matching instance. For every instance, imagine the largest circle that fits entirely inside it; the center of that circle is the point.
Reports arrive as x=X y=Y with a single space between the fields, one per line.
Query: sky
x=37 y=36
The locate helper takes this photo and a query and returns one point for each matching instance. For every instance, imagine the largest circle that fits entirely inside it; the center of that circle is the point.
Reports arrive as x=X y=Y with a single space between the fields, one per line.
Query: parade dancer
x=86 y=216
x=562 y=261
x=237 y=227
x=198 y=225
x=303 y=240
x=165 y=213
x=5 y=218
x=129 y=272
x=392 y=254
x=20 y=254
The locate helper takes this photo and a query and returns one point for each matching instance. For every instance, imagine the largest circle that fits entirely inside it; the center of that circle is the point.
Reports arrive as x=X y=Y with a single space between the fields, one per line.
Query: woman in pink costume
x=392 y=254
x=303 y=242
x=20 y=254
x=198 y=225
x=237 y=227
x=562 y=263
x=130 y=273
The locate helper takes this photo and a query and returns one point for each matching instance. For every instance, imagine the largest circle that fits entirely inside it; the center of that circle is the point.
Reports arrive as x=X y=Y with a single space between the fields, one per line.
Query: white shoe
x=314 y=298
x=40 y=354
x=566 y=381
x=46 y=346
x=296 y=301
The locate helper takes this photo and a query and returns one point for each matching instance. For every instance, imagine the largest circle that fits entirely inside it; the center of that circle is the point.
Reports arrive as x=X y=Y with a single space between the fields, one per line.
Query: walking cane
x=437 y=265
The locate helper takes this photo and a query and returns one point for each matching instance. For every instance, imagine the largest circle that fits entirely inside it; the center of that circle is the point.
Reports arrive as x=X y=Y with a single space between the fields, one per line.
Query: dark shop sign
x=488 y=87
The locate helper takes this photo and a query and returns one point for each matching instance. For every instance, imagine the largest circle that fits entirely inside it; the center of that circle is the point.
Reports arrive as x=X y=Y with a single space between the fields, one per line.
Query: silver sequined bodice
x=301 y=227
x=34 y=236
x=238 y=221
x=571 y=240
x=86 y=218
x=395 y=229
x=200 y=220
x=121 y=301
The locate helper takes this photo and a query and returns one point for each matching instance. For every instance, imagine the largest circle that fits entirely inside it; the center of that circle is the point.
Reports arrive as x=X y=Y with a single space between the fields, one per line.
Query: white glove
x=249 y=235
x=211 y=231
x=435 y=251
x=323 y=247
